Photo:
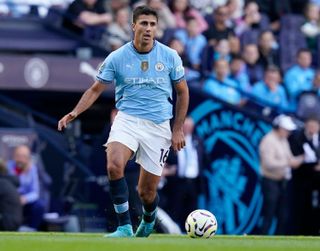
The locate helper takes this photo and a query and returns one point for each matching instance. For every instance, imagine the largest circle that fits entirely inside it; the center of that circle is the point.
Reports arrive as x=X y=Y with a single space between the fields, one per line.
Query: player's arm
x=182 y=104
x=87 y=99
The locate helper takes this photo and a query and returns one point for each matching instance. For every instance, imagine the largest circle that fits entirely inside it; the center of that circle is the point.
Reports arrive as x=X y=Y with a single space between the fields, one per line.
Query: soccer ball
x=201 y=224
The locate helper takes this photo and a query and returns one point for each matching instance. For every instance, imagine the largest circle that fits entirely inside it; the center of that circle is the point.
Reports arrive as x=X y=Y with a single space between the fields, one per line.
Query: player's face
x=145 y=29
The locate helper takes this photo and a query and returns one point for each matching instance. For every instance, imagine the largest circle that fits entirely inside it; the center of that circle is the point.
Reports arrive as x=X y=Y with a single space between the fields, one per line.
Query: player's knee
x=115 y=170
x=146 y=195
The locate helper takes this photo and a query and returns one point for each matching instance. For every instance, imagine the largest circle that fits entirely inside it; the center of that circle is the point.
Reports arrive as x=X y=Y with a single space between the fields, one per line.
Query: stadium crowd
x=246 y=48
x=234 y=50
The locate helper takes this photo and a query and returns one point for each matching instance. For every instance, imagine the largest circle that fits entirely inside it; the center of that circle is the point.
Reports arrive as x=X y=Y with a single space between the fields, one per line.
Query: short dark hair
x=143 y=10
x=236 y=57
x=261 y=34
x=272 y=68
x=311 y=117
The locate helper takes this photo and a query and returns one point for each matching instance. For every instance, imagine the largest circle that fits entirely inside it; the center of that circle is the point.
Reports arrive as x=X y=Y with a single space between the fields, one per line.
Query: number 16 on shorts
x=163 y=156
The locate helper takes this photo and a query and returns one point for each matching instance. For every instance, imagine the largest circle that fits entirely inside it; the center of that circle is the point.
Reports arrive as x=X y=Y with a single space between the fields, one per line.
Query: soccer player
x=144 y=71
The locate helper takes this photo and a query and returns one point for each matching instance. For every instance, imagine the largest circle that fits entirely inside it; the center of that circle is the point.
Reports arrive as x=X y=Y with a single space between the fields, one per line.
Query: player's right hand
x=65 y=120
x=177 y=140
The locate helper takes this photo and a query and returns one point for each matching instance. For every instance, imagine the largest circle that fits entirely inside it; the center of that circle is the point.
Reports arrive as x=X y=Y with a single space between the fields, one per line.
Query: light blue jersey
x=143 y=81
x=297 y=80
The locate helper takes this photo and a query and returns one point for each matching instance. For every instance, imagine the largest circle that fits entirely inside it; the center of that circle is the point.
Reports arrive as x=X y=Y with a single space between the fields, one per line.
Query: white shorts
x=149 y=141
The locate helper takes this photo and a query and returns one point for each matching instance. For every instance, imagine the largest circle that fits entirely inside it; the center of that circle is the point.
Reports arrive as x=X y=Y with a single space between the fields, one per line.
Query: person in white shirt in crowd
x=119 y=31
x=276 y=162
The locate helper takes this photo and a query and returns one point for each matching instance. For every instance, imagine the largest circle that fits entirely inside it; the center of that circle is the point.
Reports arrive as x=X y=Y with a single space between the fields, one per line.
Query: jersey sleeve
x=177 y=72
x=106 y=72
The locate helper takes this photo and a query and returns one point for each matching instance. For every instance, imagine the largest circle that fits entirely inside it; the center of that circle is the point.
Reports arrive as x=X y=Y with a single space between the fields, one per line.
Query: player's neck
x=143 y=47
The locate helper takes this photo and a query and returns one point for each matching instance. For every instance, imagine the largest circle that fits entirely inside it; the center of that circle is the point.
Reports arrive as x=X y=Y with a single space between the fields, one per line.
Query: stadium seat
x=290 y=42
x=291 y=22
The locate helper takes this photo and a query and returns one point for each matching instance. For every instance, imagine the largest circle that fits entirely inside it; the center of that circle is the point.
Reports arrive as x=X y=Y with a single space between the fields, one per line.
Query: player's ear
x=133 y=25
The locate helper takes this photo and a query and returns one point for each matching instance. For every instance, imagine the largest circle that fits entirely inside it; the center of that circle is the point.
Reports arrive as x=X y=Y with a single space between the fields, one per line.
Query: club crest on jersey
x=159 y=66
x=144 y=65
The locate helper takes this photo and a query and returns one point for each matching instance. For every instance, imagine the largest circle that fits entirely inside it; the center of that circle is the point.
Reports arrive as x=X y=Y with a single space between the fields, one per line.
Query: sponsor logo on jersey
x=146 y=81
x=144 y=65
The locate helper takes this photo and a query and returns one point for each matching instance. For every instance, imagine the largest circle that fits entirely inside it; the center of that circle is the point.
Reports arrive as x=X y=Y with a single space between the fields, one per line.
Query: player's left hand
x=177 y=140
x=65 y=120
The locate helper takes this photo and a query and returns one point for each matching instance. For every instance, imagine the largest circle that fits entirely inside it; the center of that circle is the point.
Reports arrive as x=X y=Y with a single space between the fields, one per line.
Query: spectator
x=270 y=91
x=268 y=49
x=238 y=73
x=166 y=19
x=299 y=77
x=181 y=10
x=309 y=101
x=190 y=73
x=274 y=9
x=222 y=50
x=193 y=41
x=220 y=85
x=10 y=207
x=311 y=26
x=27 y=172
x=253 y=68
x=205 y=6
x=85 y=13
x=184 y=175
x=235 y=8
x=218 y=28
x=211 y=53
x=119 y=31
x=306 y=142
x=112 y=6
x=251 y=18
x=235 y=45
x=276 y=162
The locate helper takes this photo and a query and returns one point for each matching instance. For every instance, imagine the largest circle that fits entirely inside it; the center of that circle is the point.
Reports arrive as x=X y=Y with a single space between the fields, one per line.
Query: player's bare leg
x=117 y=158
x=147 y=189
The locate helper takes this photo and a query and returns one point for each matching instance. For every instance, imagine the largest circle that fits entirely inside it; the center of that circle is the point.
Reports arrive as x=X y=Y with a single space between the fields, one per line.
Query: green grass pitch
x=156 y=242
